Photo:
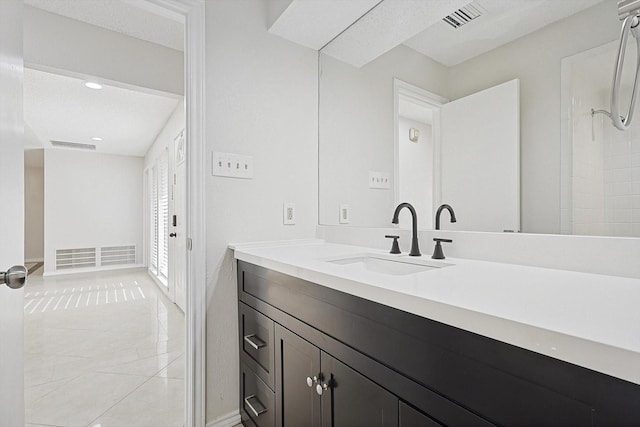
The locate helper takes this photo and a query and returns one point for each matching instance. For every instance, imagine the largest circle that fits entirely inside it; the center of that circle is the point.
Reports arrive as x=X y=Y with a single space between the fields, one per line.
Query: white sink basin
x=392 y=265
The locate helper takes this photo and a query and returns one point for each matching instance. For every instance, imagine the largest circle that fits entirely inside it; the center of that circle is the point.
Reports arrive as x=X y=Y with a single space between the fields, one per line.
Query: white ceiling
x=389 y=24
x=61 y=108
x=330 y=18
x=503 y=22
x=419 y=25
x=134 y=18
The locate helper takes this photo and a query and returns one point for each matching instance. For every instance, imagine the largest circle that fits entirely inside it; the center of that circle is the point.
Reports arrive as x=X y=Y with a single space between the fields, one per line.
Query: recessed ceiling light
x=93 y=85
x=96 y=138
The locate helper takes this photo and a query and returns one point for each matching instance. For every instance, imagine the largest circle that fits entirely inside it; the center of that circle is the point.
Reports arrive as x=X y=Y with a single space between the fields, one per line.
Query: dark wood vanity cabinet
x=312 y=356
x=315 y=389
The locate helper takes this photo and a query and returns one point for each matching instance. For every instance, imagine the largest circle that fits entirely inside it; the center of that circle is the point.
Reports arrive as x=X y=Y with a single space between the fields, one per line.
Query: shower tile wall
x=588 y=175
x=606 y=173
x=622 y=181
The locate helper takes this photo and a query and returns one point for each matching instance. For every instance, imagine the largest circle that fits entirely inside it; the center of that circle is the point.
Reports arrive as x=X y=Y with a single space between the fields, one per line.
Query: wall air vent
x=75 y=258
x=464 y=15
x=76 y=145
x=117 y=255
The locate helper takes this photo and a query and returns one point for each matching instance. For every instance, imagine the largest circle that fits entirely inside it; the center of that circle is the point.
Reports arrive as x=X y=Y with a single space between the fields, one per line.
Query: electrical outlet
x=289 y=214
x=344 y=214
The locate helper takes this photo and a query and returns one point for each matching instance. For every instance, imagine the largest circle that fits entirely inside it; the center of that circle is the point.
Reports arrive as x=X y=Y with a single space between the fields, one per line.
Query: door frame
x=434 y=102
x=192 y=12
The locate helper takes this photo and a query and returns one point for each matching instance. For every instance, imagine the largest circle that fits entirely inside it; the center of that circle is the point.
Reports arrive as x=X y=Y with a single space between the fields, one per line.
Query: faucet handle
x=437 y=251
x=436 y=239
x=395 y=249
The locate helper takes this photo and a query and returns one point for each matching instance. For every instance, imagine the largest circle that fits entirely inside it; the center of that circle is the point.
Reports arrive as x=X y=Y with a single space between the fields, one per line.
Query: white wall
x=416 y=172
x=34 y=205
x=91 y=200
x=261 y=101
x=535 y=59
x=356 y=130
x=61 y=43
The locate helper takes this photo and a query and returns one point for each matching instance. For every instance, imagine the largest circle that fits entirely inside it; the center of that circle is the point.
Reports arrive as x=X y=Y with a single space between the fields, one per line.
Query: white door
x=178 y=256
x=480 y=159
x=11 y=213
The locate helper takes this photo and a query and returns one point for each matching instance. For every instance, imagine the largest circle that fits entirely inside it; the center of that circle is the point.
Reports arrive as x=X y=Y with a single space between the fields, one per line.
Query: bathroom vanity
x=328 y=341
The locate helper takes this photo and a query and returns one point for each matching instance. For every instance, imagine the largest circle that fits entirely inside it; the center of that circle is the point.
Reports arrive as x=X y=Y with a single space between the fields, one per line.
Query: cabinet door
x=297 y=403
x=410 y=417
x=352 y=400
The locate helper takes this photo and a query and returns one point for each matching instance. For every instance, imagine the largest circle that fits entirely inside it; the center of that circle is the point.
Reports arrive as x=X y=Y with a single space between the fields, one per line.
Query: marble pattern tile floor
x=102 y=350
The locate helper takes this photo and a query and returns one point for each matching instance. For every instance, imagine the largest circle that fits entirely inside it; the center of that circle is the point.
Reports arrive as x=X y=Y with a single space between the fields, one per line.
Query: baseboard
x=229 y=420
x=90 y=270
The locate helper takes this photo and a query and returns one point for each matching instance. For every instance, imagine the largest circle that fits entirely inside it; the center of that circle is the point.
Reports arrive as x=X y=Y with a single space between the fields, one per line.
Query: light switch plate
x=379 y=180
x=231 y=165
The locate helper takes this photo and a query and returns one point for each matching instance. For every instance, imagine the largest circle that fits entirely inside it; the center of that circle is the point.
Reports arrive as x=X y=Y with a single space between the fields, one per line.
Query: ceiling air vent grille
x=77 y=145
x=464 y=15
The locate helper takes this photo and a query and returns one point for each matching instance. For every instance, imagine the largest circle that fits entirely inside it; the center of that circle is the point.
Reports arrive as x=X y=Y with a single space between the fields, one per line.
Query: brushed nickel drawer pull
x=261 y=408
x=254 y=341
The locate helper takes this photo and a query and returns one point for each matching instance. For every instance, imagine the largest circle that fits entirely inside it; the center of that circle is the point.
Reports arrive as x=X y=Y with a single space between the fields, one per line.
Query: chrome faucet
x=415 y=251
x=439 y=211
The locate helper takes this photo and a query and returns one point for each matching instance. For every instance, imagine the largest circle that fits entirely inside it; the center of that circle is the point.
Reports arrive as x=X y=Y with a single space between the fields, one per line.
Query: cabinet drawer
x=256 y=400
x=257 y=342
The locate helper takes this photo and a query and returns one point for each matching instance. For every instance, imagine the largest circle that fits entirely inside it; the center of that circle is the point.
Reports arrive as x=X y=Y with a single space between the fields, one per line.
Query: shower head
x=628 y=7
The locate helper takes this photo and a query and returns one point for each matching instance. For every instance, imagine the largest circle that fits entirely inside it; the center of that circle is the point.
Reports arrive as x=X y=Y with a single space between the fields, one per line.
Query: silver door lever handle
x=15 y=277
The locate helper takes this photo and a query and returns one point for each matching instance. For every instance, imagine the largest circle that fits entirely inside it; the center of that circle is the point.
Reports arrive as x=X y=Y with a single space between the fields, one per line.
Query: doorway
x=96 y=321
x=417 y=150
x=193 y=14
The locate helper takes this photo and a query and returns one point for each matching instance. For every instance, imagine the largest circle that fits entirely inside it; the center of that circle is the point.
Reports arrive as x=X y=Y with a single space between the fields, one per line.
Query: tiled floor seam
x=119 y=401
x=132 y=391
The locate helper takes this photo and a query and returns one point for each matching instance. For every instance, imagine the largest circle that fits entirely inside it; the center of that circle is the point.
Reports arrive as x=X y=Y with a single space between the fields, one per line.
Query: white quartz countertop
x=587 y=319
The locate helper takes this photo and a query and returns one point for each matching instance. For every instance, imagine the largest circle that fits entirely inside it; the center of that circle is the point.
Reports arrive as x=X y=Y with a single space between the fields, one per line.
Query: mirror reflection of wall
x=533 y=57
x=357 y=131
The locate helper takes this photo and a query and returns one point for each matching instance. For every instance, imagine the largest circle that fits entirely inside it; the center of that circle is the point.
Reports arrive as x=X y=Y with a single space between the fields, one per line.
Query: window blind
x=153 y=176
x=163 y=214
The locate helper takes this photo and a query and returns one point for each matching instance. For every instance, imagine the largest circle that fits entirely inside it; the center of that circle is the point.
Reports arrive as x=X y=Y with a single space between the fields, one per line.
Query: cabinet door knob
x=320 y=388
x=312 y=381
